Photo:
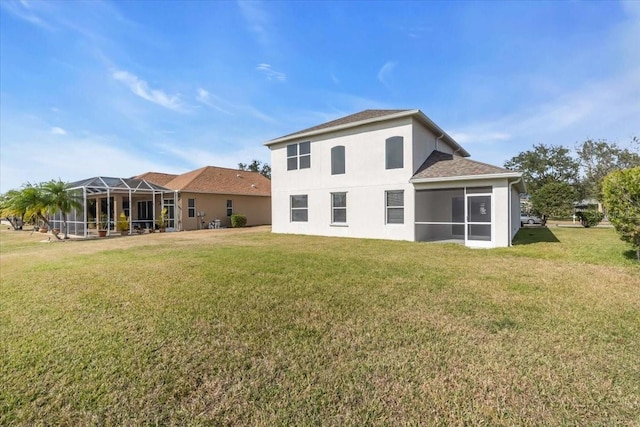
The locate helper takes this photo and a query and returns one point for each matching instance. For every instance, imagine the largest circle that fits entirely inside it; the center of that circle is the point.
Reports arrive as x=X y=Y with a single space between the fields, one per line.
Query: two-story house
x=390 y=174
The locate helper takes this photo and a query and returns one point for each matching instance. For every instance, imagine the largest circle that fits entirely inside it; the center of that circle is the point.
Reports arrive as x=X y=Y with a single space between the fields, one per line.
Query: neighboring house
x=216 y=193
x=193 y=200
x=390 y=174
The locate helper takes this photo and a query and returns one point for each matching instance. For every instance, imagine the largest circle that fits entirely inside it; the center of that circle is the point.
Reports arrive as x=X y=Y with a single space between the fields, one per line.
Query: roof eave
x=466 y=177
x=430 y=123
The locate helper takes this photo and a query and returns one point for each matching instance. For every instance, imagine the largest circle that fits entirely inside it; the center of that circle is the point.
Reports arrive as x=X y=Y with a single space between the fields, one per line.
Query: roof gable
x=444 y=165
x=212 y=179
x=353 y=118
x=372 y=116
x=157 y=177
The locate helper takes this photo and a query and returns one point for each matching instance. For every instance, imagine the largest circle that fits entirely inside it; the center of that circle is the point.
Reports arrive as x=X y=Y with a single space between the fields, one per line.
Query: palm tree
x=35 y=203
x=12 y=207
x=57 y=197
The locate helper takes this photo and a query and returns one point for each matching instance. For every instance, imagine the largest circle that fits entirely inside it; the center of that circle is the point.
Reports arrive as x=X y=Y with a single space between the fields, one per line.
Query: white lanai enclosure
x=104 y=199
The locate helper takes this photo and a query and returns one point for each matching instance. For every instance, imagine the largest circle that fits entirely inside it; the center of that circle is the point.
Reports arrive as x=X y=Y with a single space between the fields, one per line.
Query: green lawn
x=249 y=328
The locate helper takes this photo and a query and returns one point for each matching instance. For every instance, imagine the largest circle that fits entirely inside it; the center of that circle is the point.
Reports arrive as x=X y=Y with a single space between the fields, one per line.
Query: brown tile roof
x=212 y=179
x=443 y=165
x=353 y=118
x=157 y=178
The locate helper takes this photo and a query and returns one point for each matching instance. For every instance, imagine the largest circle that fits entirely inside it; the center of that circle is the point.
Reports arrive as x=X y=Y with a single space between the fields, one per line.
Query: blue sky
x=122 y=88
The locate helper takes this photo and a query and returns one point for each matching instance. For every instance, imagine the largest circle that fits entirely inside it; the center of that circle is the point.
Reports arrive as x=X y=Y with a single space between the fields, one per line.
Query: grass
x=249 y=328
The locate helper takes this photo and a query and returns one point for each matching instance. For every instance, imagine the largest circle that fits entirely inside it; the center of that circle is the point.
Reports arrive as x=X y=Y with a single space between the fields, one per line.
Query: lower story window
x=229 y=207
x=192 y=208
x=338 y=208
x=395 y=206
x=299 y=208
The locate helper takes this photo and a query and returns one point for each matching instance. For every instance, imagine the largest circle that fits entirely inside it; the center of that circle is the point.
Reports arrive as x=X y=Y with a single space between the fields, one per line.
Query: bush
x=590 y=218
x=238 y=220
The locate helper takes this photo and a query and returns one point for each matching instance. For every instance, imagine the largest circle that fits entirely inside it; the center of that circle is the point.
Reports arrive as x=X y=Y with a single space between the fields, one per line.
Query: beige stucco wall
x=257 y=209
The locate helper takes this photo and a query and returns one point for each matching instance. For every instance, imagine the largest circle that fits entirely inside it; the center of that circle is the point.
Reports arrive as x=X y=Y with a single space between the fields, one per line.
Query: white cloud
x=198 y=157
x=71 y=160
x=385 y=75
x=58 y=131
x=256 y=18
x=230 y=108
x=465 y=137
x=212 y=101
x=25 y=11
x=606 y=109
x=141 y=88
x=270 y=73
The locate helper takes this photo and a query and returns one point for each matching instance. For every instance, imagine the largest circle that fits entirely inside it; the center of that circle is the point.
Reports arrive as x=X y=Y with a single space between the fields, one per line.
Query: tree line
x=598 y=171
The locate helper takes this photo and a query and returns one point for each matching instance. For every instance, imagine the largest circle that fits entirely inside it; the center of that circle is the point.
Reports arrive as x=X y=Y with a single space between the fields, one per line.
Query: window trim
x=304 y=208
x=191 y=210
x=393 y=142
x=341 y=208
x=335 y=151
x=387 y=207
x=298 y=156
x=229 y=207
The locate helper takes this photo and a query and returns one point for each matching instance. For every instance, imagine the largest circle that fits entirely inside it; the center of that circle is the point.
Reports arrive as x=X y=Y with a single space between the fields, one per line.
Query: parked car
x=526 y=218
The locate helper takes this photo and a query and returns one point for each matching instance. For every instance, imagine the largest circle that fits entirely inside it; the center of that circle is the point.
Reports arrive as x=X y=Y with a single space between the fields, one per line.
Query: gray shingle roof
x=443 y=165
x=353 y=118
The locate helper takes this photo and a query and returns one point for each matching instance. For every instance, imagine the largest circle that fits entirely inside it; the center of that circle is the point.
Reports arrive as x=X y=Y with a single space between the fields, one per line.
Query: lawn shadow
x=631 y=254
x=529 y=235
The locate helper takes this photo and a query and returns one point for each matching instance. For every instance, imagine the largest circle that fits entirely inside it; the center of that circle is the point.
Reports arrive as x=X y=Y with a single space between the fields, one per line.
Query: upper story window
x=394 y=152
x=299 y=155
x=337 y=160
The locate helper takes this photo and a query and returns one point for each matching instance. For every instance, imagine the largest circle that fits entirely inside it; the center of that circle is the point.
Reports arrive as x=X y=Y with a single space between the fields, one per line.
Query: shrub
x=123 y=222
x=590 y=218
x=238 y=220
x=622 y=200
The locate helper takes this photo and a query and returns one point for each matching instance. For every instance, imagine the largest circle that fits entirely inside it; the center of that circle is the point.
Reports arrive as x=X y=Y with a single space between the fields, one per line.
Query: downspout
x=511 y=210
x=130 y=211
x=108 y=212
x=86 y=220
x=176 y=214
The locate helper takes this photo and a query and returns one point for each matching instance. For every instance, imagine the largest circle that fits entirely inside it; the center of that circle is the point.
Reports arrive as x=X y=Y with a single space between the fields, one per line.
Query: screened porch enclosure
x=458 y=215
x=104 y=199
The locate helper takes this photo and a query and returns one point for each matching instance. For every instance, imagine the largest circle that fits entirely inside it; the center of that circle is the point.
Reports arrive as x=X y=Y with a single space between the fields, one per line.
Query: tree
x=553 y=199
x=59 y=198
x=621 y=190
x=12 y=208
x=544 y=165
x=600 y=158
x=256 y=166
x=30 y=202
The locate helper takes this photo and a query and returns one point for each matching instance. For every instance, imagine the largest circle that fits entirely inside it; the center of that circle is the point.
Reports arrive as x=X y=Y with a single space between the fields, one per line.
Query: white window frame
x=191 y=210
x=298 y=208
x=390 y=143
x=298 y=156
x=335 y=208
x=387 y=207
x=229 y=207
x=334 y=152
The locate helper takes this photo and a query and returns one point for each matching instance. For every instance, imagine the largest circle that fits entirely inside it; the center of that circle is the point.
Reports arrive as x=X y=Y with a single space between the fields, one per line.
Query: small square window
x=299 y=156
